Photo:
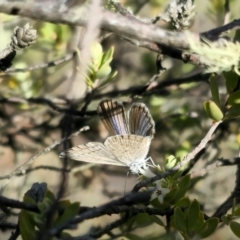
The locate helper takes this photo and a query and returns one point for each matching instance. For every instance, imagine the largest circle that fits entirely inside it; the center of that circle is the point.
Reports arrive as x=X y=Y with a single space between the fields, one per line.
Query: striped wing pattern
x=112 y=114
x=140 y=120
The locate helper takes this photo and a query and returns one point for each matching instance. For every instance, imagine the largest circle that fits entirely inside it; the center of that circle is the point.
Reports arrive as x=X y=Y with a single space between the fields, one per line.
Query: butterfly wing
x=140 y=120
x=92 y=152
x=112 y=114
x=130 y=150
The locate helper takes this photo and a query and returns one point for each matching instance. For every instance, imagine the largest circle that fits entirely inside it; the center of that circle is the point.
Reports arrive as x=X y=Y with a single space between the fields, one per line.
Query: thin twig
x=227 y=12
x=226 y=205
x=129 y=199
x=54 y=63
x=185 y=160
x=17 y=204
x=216 y=164
x=213 y=33
x=22 y=169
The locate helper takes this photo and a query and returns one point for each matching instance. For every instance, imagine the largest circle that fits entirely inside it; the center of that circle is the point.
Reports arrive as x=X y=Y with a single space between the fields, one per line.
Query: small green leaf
x=225 y=220
x=231 y=81
x=96 y=54
x=200 y=224
x=103 y=72
x=89 y=82
x=180 y=220
x=38 y=219
x=235 y=227
x=50 y=196
x=27 y=226
x=27 y=199
x=236 y=212
x=234 y=98
x=170 y=162
x=169 y=197
x=178 y=174
x=214 y=89
x=70 y=212
x=110 y=77
x=107 y=57
x=156 y=204
x=157 y=220
x=210 y=226
x=193 y=214
x=233 y=112
x=183 y=202
x=213 y=111
x=183 y=187
x=44 y=205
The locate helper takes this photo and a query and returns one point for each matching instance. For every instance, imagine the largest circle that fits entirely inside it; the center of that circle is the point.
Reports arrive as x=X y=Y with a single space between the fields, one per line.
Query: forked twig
x=22 y=169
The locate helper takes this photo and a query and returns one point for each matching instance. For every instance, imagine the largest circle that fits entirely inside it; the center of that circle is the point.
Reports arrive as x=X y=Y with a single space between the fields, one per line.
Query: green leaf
x=170 y=162
x=183 y=187
x=103 y=72
x=236 y=212
x=183 y=202
x=180 y=220
x=38 y=219
x=110 y=77
x=178 y=174
x=234 y=98
x=27 y=226
x=50 y=196
x=210 y=227
x=193 y=215
x=89 y=82
x=70 y=212
x=231 y=81
x=214 y=89
x=213 y=111
x=27 y=199
x=96 y=54
x=142 y=219
x=156 y=204
x=225 y=220
x=235 y=227
x=233 y=112
x=200 y=224
x=170 y=197
x=107 y=57
x=44 y=205
x=157 y=220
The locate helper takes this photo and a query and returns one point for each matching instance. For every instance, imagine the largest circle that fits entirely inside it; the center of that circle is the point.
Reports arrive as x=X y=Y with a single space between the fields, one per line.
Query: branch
x=185 y=160
x=54 y=63
x=17 y=204
x=226 y=205
x=76 y=14
x=169 y=82
x=210 y=167
x=211 y=34
x=139 y=33
x=21 y=170
x=129 y=199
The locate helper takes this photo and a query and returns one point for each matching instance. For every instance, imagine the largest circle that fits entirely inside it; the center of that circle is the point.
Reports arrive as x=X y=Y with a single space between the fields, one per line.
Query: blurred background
x=28 y=126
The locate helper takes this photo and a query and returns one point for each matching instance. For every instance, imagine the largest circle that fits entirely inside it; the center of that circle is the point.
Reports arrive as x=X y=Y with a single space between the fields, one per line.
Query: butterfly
x=129 y=145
